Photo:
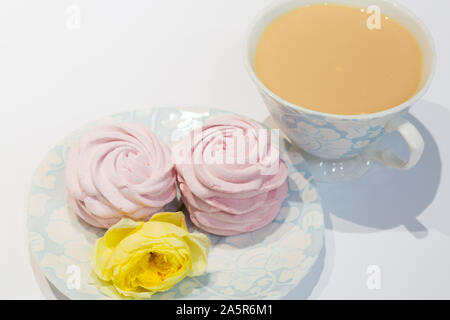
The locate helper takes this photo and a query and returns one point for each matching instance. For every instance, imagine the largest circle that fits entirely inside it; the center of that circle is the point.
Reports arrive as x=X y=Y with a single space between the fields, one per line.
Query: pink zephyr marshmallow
x=222 y=178
x=119 y=170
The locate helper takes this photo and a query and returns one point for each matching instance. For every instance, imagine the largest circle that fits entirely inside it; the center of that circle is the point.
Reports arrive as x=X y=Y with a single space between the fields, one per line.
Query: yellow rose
x=137 y=259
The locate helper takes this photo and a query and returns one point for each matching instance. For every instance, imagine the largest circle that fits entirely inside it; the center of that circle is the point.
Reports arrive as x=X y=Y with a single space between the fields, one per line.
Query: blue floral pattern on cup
x=325 y=136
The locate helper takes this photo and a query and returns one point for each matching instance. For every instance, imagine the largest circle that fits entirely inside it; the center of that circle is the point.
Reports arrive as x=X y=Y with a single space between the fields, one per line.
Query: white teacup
x=340 y=146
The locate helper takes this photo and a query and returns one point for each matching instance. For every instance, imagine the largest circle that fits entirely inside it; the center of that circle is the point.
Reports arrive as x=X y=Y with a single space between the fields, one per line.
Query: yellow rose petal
x=133 y=260
x=175 y=218
x=103 y=248
x=199 y=245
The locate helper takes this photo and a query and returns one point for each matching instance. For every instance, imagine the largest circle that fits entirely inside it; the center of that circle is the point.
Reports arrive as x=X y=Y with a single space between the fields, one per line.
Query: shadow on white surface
x=386 y=198
x=437 y=216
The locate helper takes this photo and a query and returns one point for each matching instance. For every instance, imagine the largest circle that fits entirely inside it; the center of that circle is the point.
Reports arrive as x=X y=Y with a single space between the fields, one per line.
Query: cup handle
x=411 y=136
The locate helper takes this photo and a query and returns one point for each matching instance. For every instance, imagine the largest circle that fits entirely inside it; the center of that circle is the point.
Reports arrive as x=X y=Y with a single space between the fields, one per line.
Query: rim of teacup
x=367 y=116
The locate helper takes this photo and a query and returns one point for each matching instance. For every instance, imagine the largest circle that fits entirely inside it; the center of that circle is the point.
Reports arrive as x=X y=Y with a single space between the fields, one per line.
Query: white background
x=140 y=54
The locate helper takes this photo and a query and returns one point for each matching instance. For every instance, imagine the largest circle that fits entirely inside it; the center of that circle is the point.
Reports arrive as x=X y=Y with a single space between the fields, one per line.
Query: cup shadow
x=386 y=198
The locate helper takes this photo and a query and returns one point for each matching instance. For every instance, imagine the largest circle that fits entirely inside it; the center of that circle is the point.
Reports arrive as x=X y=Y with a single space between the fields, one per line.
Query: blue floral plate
x=264 y=264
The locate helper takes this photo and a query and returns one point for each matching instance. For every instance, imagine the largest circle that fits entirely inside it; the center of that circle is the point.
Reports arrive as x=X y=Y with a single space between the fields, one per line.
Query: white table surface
x=142 y=53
